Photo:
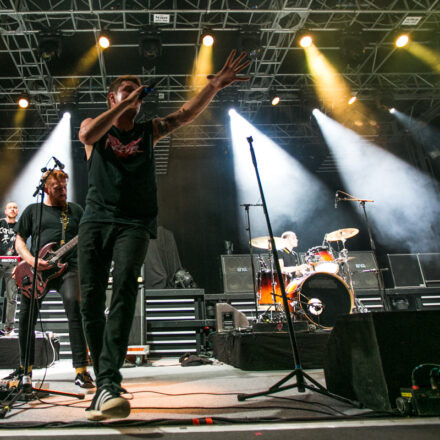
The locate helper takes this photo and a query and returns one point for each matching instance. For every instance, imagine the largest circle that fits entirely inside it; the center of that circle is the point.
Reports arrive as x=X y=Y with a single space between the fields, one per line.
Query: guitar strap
x=65 y=221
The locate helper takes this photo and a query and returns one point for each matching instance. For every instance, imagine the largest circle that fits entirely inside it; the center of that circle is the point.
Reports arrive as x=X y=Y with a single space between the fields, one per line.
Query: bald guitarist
x=60 y=221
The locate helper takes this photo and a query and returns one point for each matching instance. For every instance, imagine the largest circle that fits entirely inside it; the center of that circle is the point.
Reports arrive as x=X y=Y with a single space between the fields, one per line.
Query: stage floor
x=165 y=395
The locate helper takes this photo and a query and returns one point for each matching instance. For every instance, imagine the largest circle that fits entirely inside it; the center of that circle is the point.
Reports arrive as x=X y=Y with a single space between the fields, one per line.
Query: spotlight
x=104 y=40
x=67 y=115
x=49 y=45
x=232 y=112
x=250 y=41
x=23 y=102
x=306 y=41
x=392 y=110
x=275 y=100
x=402 y=40
x=150 y=46
x=315 y=112
x=352 y=46
x=352 y=100
x=207 y=39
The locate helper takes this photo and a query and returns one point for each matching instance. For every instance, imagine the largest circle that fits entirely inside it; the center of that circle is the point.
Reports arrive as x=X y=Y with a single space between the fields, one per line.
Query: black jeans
x=68 y=287
x=99 y=244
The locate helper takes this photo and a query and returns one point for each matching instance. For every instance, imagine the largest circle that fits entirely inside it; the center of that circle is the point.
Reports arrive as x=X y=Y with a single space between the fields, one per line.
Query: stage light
x=67 y=115
x=207 y=39
x=352 y=100
x=49 y=45
x=392 y=110
x=275 y=100
x=402 y=40
x=306 y=41
x=104 y=41
x=150 y=46
x=232 y=112
x=250 y=41
x=23 y=102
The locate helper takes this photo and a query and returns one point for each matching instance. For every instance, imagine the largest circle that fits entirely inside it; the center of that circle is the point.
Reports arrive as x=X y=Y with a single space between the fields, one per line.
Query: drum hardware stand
x=378 y=271
x=298 y=372
x=248 y=229
x=24 y=388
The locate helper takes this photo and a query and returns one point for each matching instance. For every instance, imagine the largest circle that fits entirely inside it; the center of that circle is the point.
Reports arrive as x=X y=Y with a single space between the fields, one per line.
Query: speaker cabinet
x=138 y=330
x=430 y=267
x=405 y=269
x=370 y=356
x=363 y=260
x=237 y=273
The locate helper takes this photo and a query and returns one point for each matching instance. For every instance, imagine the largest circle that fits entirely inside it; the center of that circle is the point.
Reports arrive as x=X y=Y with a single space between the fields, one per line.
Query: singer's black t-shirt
x=122 y=179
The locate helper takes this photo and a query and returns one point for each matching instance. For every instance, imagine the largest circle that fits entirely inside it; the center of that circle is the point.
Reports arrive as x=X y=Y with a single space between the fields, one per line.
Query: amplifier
x=406 y=271
x=237 y=273
x=363 y=260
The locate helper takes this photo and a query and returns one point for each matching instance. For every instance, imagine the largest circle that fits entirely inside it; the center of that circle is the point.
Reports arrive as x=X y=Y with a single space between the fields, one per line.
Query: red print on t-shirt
x=120 y=149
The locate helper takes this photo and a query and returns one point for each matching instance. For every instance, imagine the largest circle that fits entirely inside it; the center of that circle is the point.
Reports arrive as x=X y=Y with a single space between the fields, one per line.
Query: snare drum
x=321 y=259
x=322 y=297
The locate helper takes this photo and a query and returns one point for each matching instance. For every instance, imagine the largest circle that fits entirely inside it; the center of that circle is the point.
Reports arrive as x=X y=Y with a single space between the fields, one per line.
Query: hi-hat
x=341 y=234
x=264 y=242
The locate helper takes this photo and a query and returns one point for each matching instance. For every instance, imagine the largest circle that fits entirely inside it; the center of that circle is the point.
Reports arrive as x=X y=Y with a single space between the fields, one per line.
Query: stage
x=167 y=400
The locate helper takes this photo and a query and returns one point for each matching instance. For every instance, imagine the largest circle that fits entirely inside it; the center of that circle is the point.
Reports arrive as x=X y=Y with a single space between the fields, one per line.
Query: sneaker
x=10 y=332
x=108 y=404
x=84 y=380
x=17 y=374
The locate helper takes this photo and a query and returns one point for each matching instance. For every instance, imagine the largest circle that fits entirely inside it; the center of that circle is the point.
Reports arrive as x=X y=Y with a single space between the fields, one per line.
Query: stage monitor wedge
x=370 y=356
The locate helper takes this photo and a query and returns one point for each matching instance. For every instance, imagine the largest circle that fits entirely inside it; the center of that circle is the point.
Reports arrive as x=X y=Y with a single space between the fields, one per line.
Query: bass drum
x=322 y=297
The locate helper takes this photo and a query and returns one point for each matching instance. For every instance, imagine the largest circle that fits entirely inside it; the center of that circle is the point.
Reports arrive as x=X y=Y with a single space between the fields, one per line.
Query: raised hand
x=228 y=74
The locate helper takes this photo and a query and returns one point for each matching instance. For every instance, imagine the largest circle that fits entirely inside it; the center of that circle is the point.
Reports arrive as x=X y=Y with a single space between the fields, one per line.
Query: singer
x=120 y=218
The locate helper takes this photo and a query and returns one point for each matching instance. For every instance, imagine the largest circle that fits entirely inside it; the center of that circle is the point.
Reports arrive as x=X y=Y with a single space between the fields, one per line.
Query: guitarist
x=60 y=221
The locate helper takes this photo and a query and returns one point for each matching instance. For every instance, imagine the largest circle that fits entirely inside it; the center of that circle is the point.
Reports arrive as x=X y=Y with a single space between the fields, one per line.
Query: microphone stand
x=377 y=271
x=248 y=228
x=25 y=384
x=298 y=372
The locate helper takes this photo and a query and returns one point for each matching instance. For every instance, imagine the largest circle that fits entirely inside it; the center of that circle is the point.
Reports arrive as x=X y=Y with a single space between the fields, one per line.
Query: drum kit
x=322 y=292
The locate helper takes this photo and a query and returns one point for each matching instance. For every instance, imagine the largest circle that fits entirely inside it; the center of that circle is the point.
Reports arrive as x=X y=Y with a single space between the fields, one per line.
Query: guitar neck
x=64 y=249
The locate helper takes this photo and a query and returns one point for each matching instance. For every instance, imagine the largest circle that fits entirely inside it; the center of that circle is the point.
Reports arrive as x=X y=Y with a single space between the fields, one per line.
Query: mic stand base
x=26 y=393
x=301 y=386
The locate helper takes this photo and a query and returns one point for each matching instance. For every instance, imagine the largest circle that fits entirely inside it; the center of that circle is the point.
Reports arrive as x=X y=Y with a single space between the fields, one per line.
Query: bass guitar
x=24 y=272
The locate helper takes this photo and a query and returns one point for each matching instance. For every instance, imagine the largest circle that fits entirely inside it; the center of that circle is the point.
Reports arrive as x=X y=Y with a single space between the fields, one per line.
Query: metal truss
x=279 y=23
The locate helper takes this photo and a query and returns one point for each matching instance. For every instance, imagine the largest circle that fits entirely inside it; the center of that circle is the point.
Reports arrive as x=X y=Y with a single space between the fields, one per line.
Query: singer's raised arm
x=191 y=109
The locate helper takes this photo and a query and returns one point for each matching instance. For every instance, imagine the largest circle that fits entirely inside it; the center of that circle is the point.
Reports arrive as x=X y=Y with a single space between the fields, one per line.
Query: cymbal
x=264 y=242
x=342 y=259
x=341 y=234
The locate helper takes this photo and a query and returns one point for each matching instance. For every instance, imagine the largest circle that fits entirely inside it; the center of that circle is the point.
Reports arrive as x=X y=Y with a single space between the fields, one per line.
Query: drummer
x=289 y=259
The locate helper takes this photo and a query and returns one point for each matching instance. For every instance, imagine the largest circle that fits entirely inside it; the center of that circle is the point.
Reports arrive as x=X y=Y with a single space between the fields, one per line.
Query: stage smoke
x=406 y=206
x=293 y=195
x=427 y=136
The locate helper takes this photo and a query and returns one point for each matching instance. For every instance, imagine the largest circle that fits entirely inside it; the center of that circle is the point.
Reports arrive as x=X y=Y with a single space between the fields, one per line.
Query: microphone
x=59 y=164
x=147 y=90
x=336 y=199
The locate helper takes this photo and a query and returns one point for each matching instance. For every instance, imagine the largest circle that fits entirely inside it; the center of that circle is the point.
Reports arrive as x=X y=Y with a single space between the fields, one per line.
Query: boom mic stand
x=248 y=229
x=24 y=387
x=377 y=271
x=298 y=372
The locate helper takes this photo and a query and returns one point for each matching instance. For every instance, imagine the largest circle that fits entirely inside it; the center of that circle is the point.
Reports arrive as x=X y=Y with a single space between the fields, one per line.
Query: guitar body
x=24 y=273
